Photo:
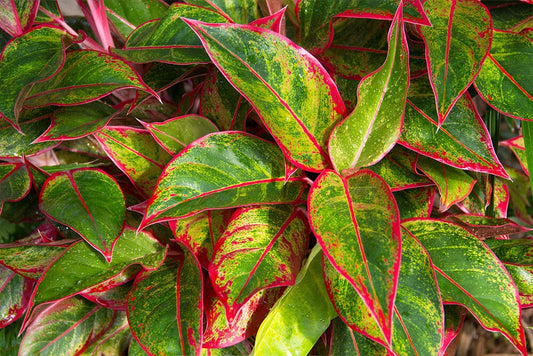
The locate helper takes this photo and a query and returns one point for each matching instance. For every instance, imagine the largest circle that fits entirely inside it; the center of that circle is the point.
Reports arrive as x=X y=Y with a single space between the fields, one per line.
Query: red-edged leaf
x=356 y=221
x=315 y=17
x=115 y=340
x=113 y=293
x=469 y=274
x=169 y=39
x=456 y=46
x=165 y=308
x=240 y=11
x=344 y=340
x=268 y=77
x=454 y=316
x=512 y=16
x=262 y=247
x=66 y=326
x=454 y=185
x=77 y=121
x=485 y=226
x=92 y=204
x=415 y=203
x=80 y=267
x=272 y=22
x=462 y=141
x=15 y=294
x=176 y=133
x=15 y=182
x=371 y=130
x=220 y=102
x=16 y=16
x=127 y=15
x=516 y=144
x=86 y=76
x=200 y=232
x=222 y=170
x=41 y=52
x=135 y=153
x=505 y=80
x=15 y=144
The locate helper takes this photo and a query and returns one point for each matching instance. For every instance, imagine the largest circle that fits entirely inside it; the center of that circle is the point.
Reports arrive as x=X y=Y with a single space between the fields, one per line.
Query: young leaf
x=371 y=130
x=15 y=182
x=504 y=82
x=456 y=46
x=355 y=219
x=77 y=121
x=92 y=204
x=286 y=330
x=135 y=153
x=16 y=16
x=169 y=39
x=176 y=133
x=462 y=141
x=15 y=291
x=222 y=170
x=267 y=71
x=81 y=267
x=86 y=76
x=165 y=308
x=38 y=54
x=262 y=247
x=479 y=282
x=67 y=326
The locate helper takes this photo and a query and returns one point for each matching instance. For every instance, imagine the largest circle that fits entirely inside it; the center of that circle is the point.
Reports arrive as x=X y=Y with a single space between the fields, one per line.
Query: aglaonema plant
x=264 y=177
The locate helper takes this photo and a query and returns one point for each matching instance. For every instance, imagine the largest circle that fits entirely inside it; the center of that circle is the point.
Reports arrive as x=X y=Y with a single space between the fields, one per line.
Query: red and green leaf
x=485 y=226
x=286 y=330
x=456 y=47
x=454 y=185
x=135 y=153
x=126 y=15
x=268 y=76
x=169 y=39
x=517 y=145
x=514 y=16
x=77 y=121
x=15 y=182
x=15 y=143
x=113 y=293
x=240 y=11
x=461 y=261
x=92 y=204
x=462 y=141
x=356 y=221
x=262 y=247
x=345 y=340
x=504 y=82
x=115 y=340
x=415 y=203
x=86 y=76
x=66 y=326
x=176 y=133
x=371 y=130
x=165 y=308
x=15 y=292
x=17 y=16
x=222 y=170
x=37 y=54
x=81 y=267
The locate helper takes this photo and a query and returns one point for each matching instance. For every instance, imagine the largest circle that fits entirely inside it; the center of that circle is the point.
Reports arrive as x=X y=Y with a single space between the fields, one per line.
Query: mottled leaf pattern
x=15 y=293
x=127 y=15
x=15 y=182
x=14 y=143
x=16 y=16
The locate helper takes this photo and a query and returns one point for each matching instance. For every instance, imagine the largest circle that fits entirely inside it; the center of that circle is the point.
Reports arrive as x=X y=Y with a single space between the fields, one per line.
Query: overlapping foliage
x=263 y=176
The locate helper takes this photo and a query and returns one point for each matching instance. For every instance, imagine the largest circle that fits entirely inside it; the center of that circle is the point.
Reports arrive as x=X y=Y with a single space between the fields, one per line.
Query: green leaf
x=262 y=247
x=456 y=46
x=16 y=16
x=126 y=15
x=165 y=308
x=469 y=274
x=90 y=202
x=176 y=133
x=462 y=141
x=169 y=39
x=114 y=342
x=484 y=226
x=135 y=153
x=345 y=342
x=268 y=69
x=17 y=143
x=505 y=82
x=86 y=76
x=65 y=327
x=518 y=146
x=77 y=121
x=81 y=267
x=15 y=182
x=527 y=130
x=513 y=17
x=37 y=55
x=287 y=329
x=356 y=221
x=454 y=185
x=240 y=11
x=222 y=170
x=415 y=203
x=371 y=130
x=14 y=296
